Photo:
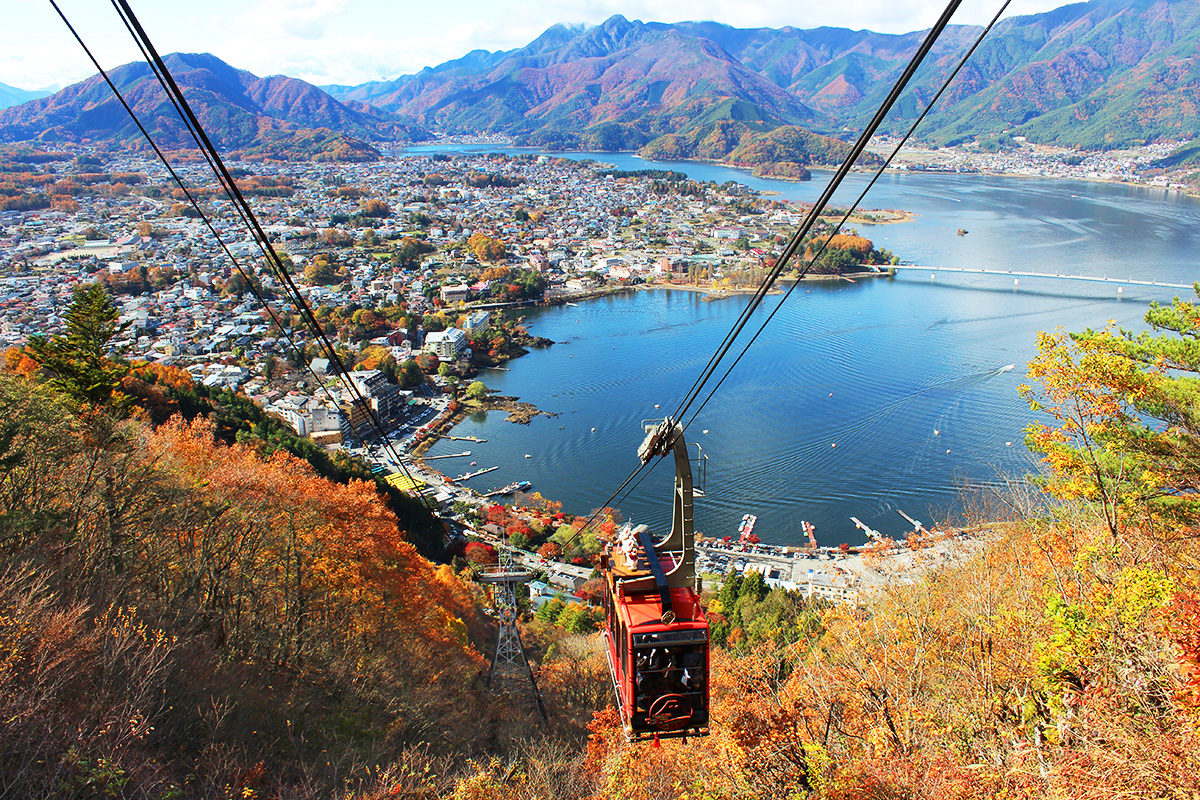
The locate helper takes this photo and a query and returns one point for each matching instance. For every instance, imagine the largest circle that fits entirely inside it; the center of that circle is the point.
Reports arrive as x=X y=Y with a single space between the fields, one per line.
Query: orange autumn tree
x=18 y=362
x=280 y=597
x=292 y=568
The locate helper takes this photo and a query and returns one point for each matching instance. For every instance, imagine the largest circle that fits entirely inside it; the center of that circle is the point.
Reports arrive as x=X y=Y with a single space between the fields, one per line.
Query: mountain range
x=1095 y=75
x=1100 y=74
x=238 y=110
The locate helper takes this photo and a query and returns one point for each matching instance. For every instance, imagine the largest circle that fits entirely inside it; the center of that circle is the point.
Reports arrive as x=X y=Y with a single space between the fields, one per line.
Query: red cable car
x=656 y=632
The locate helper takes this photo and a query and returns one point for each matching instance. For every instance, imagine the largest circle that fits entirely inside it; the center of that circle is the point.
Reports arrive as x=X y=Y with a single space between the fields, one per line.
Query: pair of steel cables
x=693 y=395
x=797 y=239
x=245 y=213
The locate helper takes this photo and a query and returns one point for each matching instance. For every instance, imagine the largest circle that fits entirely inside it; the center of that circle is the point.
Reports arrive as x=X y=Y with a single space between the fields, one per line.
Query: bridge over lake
x=1018 y=274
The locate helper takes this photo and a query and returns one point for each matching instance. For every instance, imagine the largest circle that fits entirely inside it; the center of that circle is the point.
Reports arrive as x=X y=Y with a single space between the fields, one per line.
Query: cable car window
x=670 y=688
x=623 y=647
x=696 y=636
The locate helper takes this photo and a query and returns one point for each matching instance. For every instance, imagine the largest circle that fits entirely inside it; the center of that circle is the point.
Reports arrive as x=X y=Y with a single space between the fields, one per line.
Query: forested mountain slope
x=1101 y=74
x=183 y=617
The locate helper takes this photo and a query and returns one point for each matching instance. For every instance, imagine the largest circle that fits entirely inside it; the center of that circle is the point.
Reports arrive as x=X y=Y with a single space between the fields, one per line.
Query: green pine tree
x=82 y=362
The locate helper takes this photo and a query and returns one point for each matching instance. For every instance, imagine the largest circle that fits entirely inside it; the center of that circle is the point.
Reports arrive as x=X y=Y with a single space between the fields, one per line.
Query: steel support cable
x=260 y=236
x=178 y=180
x=249 y=278
x=242 y=213
x=195 y=203
x=810 y=219
x=208 y=160
x=188 y=127
x=814 y=213
x=845 y=217
x=163 y=74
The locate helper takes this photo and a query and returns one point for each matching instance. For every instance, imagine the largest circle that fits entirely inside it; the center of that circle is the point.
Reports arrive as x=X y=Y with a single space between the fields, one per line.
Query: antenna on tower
x=510 y=671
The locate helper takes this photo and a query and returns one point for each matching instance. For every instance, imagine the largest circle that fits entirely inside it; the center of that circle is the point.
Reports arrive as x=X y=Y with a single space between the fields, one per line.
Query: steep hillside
x=565 y=84
x=783 y=152
x=179 y=616
x=1106 y=73
x=1095 y=75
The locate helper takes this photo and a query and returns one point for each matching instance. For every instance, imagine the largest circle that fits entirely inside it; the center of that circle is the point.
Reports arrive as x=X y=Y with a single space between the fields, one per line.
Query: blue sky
x=353 y=41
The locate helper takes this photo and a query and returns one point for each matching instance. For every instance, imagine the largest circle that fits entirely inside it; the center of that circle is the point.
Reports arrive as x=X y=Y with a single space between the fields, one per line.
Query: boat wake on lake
x=948 y=321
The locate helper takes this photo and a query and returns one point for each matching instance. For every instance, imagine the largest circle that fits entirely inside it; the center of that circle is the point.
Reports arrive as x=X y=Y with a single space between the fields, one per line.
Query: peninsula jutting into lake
x=873 y=368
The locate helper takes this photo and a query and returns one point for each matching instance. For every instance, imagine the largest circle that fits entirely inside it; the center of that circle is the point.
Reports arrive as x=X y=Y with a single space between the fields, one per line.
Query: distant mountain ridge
x=277 y=115
x=1095 y=75
x=1100 y=74
x=648 y=80
x=12 y=96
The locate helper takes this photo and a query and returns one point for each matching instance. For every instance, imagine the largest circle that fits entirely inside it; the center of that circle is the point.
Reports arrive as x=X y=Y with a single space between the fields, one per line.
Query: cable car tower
x=510 y=672
x=656 y=634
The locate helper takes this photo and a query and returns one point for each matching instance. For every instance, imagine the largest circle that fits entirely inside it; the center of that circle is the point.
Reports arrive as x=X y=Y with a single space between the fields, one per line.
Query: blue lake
x=858 y=399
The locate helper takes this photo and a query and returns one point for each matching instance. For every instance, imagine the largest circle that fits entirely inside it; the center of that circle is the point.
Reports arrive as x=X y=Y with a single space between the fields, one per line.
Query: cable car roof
x=646 y=609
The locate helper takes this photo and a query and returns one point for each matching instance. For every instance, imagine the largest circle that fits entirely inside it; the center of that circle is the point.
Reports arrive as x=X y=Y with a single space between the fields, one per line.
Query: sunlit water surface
x=858 y=399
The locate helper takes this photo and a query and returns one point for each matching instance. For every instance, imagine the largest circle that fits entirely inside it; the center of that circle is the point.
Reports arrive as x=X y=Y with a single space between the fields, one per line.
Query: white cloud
x=290 y=19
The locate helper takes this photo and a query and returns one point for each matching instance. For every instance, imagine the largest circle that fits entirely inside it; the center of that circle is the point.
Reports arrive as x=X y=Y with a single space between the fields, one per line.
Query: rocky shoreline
x=519 y=412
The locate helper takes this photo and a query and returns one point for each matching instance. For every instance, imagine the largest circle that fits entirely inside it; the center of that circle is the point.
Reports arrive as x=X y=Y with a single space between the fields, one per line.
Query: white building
x=836 y=588
x=602 y=263
x=478 y=321
x=447 y=345
x=730 y=233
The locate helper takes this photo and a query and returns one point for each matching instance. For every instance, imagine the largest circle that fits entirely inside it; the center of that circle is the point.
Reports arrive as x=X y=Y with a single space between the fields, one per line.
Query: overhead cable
x=797 y=238
x=846 y=216
x=272 y=257
x=242 y=208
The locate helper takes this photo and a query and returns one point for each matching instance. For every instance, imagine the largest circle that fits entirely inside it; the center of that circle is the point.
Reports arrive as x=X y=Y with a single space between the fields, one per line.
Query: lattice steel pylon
x=510 y=672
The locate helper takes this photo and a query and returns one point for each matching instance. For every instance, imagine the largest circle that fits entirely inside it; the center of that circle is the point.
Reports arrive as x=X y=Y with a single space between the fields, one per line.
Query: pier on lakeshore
x=468 y=475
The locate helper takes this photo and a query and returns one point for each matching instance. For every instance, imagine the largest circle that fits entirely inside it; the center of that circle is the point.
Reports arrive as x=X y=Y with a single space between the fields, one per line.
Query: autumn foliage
x=182 y=617
x=1055 y=655
x=155 y=583
x=859 y=246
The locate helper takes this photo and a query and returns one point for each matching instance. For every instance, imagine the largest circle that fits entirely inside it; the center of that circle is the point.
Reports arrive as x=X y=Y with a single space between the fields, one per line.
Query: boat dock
x=466 y=476
x=515 y=486
x=474 y=439
x=450 y=455
x=746 y=530
x=837 y=574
